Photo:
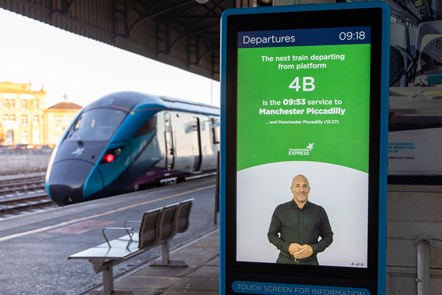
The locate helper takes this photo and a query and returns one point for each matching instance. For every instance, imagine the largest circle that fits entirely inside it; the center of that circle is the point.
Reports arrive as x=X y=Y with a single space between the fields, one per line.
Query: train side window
x=149 y=126
x=215 y=130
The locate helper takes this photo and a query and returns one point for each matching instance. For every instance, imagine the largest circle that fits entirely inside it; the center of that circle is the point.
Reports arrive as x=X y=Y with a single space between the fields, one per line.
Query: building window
x=9 y=122
x=24 y=120
x=36 y=120
x=25 y=137
x=9 y=137
x=36 y=137
x=23 y=104
x=58 y=123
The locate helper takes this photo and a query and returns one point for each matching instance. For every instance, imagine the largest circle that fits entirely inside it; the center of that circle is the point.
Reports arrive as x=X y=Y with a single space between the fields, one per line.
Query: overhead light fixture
x=201 y=1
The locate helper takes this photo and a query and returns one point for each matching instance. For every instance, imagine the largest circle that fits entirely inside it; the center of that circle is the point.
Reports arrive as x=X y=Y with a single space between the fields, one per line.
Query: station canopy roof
x=181 y=33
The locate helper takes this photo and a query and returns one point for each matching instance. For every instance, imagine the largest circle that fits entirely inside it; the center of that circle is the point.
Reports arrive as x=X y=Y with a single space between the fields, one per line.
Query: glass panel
x=97 y=124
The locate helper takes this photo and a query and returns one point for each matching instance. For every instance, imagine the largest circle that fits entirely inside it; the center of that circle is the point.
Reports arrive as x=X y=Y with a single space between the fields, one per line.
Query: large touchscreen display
x=303 y=110
x=304 y=149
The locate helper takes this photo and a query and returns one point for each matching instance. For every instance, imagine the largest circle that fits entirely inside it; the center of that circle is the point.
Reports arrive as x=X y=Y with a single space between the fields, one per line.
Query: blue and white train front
x=126 y=140
x=103 y=145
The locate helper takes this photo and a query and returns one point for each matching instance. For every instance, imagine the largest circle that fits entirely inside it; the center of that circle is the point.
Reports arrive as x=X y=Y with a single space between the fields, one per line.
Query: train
x=125 y=141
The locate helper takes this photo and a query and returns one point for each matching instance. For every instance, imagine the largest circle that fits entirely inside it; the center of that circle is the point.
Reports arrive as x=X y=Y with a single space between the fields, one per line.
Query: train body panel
x=128 y=139
x=187 y=142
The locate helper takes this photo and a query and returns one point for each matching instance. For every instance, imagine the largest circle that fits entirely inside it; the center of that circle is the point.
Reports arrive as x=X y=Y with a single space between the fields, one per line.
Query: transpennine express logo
x=301 y=152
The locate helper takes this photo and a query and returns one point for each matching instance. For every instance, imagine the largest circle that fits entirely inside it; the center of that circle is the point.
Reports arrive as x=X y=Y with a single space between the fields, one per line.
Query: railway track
x=22 y=193
x=25 y=192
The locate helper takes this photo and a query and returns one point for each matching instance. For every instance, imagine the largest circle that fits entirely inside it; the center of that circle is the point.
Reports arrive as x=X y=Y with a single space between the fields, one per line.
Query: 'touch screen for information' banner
x=303 y=166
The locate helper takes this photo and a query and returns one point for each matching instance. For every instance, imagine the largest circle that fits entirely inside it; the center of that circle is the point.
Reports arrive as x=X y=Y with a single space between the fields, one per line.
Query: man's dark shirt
x=291 y=224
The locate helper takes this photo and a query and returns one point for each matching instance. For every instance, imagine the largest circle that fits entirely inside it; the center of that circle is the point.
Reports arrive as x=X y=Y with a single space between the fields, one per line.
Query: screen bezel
x=301 y=17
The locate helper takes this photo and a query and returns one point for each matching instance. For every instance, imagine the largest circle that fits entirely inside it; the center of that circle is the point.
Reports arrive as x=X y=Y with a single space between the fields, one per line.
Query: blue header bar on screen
x=304 y=37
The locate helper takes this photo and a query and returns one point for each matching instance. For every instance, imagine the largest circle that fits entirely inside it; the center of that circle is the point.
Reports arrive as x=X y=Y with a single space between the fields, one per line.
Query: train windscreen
x=96 y=124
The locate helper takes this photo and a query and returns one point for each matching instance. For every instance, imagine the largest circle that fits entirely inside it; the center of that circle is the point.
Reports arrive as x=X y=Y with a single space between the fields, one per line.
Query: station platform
x=200 y=277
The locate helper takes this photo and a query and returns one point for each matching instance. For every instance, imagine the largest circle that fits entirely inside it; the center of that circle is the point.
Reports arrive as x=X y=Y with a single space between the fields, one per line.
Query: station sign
x=304 y=149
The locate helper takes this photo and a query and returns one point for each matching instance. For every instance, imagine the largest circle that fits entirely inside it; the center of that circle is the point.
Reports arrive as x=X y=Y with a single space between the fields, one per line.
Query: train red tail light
x=110 y=156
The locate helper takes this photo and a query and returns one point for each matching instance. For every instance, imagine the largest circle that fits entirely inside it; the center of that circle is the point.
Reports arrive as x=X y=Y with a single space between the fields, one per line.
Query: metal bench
x=157 y=227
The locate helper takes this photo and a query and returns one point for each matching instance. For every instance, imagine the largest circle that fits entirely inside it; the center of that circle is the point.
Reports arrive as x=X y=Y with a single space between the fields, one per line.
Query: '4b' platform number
x=303 y=84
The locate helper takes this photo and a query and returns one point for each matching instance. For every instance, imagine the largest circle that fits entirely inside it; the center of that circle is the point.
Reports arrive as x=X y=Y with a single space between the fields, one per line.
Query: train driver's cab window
x=148 y=126
x=97 y=124
x=214 y=122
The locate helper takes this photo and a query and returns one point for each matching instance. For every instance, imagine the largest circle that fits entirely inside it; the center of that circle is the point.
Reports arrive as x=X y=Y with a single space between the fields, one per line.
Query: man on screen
x=300 y=229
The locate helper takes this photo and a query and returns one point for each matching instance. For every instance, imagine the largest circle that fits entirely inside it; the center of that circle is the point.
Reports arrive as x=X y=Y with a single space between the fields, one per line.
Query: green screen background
x=345 y=142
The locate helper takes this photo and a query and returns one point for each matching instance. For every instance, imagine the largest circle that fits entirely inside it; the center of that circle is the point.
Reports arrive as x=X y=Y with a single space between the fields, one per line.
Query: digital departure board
x=303 y=156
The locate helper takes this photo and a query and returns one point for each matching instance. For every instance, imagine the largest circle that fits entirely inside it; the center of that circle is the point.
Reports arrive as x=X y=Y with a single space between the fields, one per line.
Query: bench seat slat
x=117 y=251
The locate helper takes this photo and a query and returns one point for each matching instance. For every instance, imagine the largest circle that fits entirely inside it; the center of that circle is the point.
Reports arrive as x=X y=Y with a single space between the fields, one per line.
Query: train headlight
x=110 y=156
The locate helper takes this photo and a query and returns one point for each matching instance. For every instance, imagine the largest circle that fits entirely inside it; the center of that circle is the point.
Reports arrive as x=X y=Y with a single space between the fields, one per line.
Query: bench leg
x=107 y=268
x=165 y=257
x=165 y=252
x=108 y=280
